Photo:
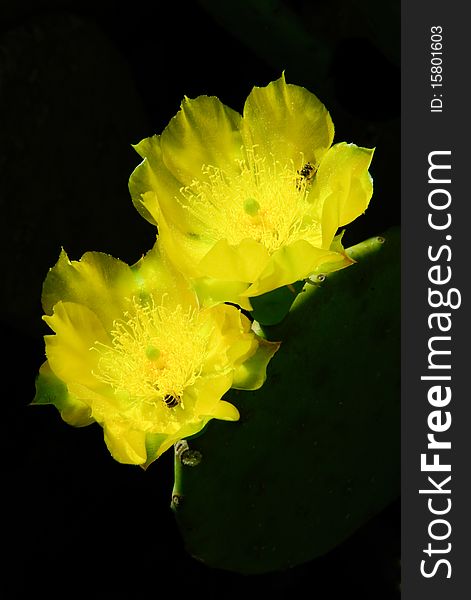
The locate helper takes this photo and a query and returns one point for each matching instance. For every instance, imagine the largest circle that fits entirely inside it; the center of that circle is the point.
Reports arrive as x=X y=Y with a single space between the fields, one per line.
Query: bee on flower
x=134 y=350
x=245 y=204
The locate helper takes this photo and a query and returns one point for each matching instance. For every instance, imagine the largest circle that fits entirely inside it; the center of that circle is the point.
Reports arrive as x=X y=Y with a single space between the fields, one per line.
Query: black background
x=79 y=83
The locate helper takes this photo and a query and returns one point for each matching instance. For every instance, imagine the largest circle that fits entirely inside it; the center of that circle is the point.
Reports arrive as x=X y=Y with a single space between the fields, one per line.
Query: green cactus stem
x=316 y=452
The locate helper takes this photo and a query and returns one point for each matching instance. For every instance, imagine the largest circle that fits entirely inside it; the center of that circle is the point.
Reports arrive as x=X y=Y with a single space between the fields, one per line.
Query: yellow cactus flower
x=134 y=351
x=247 y=204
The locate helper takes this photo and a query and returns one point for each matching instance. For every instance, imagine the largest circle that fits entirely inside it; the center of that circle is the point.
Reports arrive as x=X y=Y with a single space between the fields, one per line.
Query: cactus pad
x=316 y=452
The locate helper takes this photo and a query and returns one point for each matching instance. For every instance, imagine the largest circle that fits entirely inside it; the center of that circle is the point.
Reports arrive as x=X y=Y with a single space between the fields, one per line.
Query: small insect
x=307 y=171
x=171 y=401
x=305 y=174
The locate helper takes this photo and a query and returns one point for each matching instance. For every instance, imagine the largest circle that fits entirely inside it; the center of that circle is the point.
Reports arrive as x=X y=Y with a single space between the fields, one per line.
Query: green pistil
x=251 y=207
x=152 y=353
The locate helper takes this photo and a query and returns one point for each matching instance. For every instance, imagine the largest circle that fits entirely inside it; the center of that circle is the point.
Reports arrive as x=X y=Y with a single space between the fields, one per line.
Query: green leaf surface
x=316 y=452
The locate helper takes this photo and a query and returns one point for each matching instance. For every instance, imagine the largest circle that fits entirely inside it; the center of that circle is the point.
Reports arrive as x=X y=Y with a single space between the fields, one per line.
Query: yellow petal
x=213 y=291
x=226 y=411
x=143 y=178
x=98 y=281
x=203 y=132
x=156 y=445
x=102 y=399
x=154 y=188
x=251 y=374
x=242 y=262
x=127 y=446
x=183 y=249
x=208 y=391
x=289 y=264
x=189 y=429
x=156 y=275
x=343 y=187
x=51 y=390
x=232 y=340
x=287 y=122
x=70 y=352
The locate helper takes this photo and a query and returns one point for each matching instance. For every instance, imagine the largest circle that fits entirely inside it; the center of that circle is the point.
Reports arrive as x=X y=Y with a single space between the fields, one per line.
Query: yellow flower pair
x=243 y=205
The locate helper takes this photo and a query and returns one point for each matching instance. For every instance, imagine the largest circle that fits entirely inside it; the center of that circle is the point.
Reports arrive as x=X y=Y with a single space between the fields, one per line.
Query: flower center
x=264 y=200
x=156 y=352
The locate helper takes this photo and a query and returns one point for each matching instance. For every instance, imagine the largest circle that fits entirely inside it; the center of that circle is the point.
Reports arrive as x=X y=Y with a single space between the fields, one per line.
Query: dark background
x=79 y=83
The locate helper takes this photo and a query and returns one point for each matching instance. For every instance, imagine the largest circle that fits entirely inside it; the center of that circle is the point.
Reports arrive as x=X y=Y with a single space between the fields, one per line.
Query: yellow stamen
x=265 y=200
x=156 y=352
